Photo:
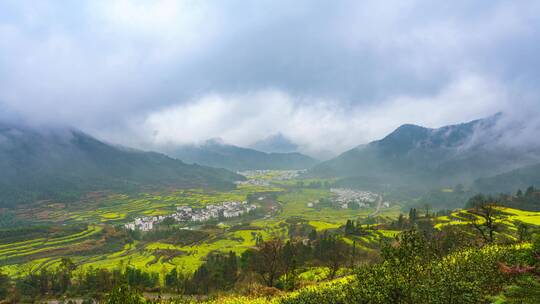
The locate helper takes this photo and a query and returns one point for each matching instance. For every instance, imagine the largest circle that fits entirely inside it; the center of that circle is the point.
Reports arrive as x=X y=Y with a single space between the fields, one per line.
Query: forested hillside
x=509 y=181
x=416 y=157
x=214 y=153
x=61 y=163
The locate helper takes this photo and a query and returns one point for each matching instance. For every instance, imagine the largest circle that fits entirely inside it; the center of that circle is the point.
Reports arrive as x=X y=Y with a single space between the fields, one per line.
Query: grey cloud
x=111 y=66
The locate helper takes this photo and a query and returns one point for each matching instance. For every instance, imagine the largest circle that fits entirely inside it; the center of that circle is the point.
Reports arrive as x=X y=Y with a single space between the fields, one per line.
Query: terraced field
x=30 y=247
x=33 y=254
x=160 y=256
x=508 y=220
x=119 y=208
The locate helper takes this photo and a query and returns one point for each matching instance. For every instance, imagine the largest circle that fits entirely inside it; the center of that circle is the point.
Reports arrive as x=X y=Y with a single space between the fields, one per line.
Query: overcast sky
x=328 y=74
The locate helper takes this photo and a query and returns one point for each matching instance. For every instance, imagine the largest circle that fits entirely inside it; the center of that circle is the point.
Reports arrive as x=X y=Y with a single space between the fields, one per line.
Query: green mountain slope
x=508 y=182
x=414 y=155
x=216 y=154
x=64 y=163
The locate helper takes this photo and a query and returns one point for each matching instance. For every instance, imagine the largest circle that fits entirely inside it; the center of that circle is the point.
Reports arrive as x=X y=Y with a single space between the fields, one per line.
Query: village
x=265 y=177
x=225 y=210
x=362 y=199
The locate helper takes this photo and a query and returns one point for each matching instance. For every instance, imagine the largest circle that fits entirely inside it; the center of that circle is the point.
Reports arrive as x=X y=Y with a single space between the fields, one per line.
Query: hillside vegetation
x=290 y=251
x=509 y=181
x=415 y=157
x=214 y=153
x=64 y=163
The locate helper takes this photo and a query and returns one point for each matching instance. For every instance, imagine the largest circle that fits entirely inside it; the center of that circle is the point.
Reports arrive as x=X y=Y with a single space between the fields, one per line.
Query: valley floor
x=90 y=233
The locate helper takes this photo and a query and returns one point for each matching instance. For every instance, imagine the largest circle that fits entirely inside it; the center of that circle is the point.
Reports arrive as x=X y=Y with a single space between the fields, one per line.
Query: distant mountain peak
x=214 y=141
x=276 y=143
x=216 y=153
x=409 y=136
x=449 y=154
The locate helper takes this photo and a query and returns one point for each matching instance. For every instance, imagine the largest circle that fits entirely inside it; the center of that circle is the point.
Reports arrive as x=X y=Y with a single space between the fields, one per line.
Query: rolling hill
x=508 y=182
x=417 y=156
x=215 y=153
x=62 y=163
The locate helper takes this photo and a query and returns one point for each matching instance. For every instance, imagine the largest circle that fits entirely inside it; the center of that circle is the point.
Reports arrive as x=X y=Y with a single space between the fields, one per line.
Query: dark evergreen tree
x=529 y=192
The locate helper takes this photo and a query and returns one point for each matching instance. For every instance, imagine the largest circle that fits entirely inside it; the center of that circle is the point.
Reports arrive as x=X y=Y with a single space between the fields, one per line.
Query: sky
x=329 y=75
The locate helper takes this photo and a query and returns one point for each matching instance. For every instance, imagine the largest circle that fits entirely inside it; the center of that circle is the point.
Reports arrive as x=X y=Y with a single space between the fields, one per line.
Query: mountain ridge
x=459 y=153
x=64 y=162
x=218 y=154
x=276 y=143
x=508 y=182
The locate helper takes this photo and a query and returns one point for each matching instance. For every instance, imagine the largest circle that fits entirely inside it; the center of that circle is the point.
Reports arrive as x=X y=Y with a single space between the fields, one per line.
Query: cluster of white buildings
x=272 y=174
x=144 y=223
x=256 y=182
x=264 y=177
x=346 y=196
x=228 y=209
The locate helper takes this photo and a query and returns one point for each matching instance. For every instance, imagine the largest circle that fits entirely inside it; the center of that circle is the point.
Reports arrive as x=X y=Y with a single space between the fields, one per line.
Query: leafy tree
x=289 y=257
x=523 y=231
x=332 y=252
x=124 y=295
x=171 y=279
x=168 y=222
x=407 y=260
x=64 y=274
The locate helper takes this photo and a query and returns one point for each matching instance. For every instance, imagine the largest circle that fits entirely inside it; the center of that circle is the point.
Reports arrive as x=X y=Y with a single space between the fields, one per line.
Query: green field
x=91 y=233
x=94 y=250
x=97 y=247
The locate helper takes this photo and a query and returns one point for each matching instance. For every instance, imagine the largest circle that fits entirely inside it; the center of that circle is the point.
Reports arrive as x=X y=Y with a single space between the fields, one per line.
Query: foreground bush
x=410 y=274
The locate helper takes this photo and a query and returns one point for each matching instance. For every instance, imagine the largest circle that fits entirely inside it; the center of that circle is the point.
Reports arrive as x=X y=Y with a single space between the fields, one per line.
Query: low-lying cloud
x=320 y=127
x=328 y=75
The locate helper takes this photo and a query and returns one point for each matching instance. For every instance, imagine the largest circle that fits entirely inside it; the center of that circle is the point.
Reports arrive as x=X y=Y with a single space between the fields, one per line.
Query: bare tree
x=486 y=216
x=268 y=262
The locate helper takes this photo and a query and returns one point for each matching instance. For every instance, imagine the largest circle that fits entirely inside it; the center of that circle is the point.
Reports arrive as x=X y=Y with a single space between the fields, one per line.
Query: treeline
x=274 y=263
x=63 y=281
x=314 y=184
x=525 y=200
x=422 y=265
x=172 y=235
x=415 y=270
